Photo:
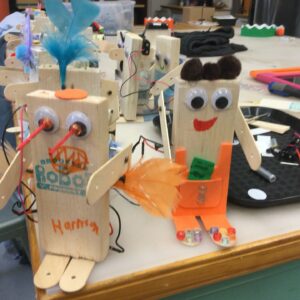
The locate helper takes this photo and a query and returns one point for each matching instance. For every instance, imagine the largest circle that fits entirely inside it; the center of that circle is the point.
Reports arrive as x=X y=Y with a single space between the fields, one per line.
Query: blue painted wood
x=277 y=283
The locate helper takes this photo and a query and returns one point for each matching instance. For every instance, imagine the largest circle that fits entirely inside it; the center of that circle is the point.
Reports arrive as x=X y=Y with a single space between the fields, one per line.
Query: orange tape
x=71 y=94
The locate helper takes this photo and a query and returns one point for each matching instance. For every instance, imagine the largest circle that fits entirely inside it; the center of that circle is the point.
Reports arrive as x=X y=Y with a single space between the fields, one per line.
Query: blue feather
x=58 y=14
x=85 y=12
x=67 y=44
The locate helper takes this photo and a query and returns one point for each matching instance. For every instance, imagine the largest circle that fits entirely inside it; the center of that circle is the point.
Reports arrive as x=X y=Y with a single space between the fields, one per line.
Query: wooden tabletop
x=154 y=264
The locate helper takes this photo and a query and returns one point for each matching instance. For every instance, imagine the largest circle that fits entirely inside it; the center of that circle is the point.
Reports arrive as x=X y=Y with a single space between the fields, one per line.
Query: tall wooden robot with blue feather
x=68 y=144
x=68 y=148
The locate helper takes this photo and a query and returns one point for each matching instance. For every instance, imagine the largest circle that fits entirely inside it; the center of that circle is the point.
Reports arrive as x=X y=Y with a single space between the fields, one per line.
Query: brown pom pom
x=211 y=71
x=230 y=67
x=192 y=70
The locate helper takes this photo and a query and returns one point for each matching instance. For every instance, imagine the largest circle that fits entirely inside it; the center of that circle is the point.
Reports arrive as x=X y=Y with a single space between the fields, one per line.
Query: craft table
x=155 y=264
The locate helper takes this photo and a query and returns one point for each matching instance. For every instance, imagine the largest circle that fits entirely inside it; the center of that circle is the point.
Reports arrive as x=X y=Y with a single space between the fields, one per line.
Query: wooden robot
x=206 y=115
x=166 y=59
x=69 y=148
x=136 y=56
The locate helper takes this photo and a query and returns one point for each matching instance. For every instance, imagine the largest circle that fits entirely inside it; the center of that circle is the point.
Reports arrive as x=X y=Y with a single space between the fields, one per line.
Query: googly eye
x=47 y=116
x=196 y=99
x=166 y=61
x=79 y=123
x=157 y=57
x=221 y=99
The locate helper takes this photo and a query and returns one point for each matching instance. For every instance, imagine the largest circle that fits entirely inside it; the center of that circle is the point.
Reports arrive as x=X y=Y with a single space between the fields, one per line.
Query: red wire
x=150 y=146
x=31 y=136
x=62 y=141
x=111 y=229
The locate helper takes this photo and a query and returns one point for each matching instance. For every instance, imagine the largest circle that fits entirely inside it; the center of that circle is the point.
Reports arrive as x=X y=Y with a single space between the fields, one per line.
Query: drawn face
x=208 y=104
x=204 y=113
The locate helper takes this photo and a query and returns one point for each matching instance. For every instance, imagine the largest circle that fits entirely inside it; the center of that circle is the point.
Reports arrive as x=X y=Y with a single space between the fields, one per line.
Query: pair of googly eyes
x=165 y=60
x=197 y=99
x=75 y=117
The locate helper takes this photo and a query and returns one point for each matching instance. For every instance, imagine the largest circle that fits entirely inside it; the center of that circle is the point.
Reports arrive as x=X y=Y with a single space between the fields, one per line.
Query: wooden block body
x=129 y=90
x=219 y=125
x=67 y=224
x=167 y=50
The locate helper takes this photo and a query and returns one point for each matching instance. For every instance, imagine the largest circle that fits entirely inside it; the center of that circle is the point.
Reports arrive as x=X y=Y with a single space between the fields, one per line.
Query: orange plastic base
x=206 y=199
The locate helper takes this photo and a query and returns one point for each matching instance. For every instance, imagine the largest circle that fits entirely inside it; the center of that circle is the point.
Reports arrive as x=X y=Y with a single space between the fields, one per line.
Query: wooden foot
x=188 y=230
x=76 y=275
x=50 y=271
x=220 y=230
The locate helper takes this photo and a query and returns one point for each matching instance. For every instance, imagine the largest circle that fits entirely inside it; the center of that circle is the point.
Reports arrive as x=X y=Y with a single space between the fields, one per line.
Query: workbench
x=154 y=264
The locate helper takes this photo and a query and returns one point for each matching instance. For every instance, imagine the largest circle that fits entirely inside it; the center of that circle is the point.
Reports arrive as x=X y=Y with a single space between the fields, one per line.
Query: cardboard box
x=196 y=13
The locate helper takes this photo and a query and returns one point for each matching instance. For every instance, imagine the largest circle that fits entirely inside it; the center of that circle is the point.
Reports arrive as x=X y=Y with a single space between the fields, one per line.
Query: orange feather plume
x=153 y=184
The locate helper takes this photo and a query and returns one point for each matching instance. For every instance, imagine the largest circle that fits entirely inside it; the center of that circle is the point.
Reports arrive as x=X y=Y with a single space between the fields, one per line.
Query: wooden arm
x=166 y=81
x=12 y=90
x=164 y=126
x=10 y=179
x=247 y=141
x=107 y=175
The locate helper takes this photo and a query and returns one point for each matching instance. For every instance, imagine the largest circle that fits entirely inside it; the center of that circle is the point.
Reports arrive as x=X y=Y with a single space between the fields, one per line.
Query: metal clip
x=202 y=192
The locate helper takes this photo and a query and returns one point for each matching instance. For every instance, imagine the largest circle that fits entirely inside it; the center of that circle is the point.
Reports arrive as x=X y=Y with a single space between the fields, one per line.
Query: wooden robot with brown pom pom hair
x=206 y=115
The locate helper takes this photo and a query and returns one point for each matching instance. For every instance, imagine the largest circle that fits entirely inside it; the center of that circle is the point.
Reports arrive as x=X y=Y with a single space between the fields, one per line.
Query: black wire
x=131 y=76
x=120 y=249
x=4 y=132
x=18 y=203
x=156 y=144
x=125 y=198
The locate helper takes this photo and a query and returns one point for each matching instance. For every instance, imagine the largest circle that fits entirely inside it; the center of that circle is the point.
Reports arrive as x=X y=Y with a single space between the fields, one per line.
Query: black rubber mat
x=286 y=189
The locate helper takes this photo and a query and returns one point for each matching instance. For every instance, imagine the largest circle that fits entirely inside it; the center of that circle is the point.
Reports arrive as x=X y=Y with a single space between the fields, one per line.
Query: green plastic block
x=201 y=169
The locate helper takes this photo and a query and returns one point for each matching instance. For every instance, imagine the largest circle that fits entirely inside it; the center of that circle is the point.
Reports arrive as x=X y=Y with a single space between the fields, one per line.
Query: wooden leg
x=50 y=271
x=76 y=275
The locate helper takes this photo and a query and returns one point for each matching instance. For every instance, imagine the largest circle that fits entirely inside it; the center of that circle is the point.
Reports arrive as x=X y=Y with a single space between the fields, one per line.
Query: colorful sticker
x=64 y=172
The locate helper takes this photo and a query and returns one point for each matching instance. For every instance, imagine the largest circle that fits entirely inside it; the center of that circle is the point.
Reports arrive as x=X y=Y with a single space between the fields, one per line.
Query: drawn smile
x=204 y=125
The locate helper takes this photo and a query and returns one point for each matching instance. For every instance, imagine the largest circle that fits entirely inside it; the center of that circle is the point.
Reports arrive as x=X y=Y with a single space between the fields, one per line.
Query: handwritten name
x=60 y=227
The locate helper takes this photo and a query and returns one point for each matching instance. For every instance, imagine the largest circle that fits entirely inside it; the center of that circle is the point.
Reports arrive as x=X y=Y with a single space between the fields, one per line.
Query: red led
x=217 y=236
x=180 y=235
x=231 y=230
